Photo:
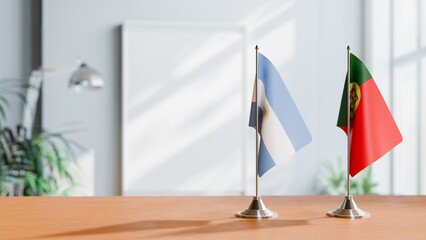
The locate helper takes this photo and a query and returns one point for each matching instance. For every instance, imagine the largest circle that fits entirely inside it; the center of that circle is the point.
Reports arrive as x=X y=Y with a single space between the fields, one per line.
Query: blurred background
x=172 y=115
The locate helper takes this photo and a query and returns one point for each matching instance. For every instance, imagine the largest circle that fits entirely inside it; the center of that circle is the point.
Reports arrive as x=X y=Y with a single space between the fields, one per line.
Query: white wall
x=305 y=39
x=15 y=47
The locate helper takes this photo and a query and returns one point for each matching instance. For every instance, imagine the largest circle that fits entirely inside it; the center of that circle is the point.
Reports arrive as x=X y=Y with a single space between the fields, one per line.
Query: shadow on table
x=196 y=226
x=238 y=225
x=129 y=227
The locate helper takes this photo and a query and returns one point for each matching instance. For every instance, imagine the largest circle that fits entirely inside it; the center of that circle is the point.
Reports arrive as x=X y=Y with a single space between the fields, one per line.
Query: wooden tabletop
x=301 y=217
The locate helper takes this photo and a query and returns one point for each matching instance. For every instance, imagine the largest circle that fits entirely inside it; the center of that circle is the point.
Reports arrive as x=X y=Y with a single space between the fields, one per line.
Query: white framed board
x=184 y=109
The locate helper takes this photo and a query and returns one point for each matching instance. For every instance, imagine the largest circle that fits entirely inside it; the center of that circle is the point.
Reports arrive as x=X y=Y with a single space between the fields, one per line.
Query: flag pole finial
x=348 y=48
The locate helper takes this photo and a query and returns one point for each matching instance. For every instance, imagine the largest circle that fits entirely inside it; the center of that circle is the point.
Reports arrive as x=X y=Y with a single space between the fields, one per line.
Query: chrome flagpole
x=257 y=208
x=257 y=123
x=348 y=209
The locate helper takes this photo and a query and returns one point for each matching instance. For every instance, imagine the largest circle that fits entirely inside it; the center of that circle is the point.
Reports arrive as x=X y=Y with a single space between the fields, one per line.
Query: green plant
x=334 y=180
x=37 y=165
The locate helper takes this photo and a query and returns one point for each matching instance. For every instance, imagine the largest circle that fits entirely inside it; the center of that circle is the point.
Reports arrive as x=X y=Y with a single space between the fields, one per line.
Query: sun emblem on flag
x=355 y=97
x=265 y=112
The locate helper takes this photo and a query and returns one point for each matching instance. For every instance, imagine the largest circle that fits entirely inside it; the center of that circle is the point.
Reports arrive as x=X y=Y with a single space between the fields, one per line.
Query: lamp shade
x=86 y=77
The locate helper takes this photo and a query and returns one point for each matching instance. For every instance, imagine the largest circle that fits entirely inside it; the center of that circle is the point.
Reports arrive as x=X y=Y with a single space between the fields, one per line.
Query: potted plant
x=32 y=165
x=334 y=180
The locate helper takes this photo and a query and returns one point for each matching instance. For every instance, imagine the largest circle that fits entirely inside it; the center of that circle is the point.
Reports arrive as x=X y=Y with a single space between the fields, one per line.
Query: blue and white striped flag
x=281 y=126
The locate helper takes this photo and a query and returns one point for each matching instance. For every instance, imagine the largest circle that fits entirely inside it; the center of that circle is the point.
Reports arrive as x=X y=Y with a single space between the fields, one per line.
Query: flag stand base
x=348 y=209
x=257 y=209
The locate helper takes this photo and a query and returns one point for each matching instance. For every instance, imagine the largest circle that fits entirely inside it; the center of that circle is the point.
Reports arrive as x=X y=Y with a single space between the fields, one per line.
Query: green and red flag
x=373 y=129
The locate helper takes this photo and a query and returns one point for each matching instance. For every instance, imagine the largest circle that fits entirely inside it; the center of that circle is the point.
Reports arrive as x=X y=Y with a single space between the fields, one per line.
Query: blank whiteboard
x=182 y=109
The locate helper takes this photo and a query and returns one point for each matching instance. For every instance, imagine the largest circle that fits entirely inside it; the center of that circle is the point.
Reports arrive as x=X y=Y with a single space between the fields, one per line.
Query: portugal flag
x=373 y=129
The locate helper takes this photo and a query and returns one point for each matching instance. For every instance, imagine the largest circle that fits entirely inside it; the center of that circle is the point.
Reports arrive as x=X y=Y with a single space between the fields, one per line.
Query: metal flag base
x=348 y=209
x=257 y=209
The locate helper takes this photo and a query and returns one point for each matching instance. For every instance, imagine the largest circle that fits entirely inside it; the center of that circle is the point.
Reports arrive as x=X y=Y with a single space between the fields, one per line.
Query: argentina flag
x=281 y=126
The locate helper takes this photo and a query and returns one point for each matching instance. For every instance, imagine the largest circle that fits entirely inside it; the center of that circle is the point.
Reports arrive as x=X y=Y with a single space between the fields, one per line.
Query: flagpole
x=348 y=208
x=257 y=208
x=348 y=185
x=257 y=126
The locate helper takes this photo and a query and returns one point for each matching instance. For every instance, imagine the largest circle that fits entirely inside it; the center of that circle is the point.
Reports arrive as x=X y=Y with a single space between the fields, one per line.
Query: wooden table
x=301 y=217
